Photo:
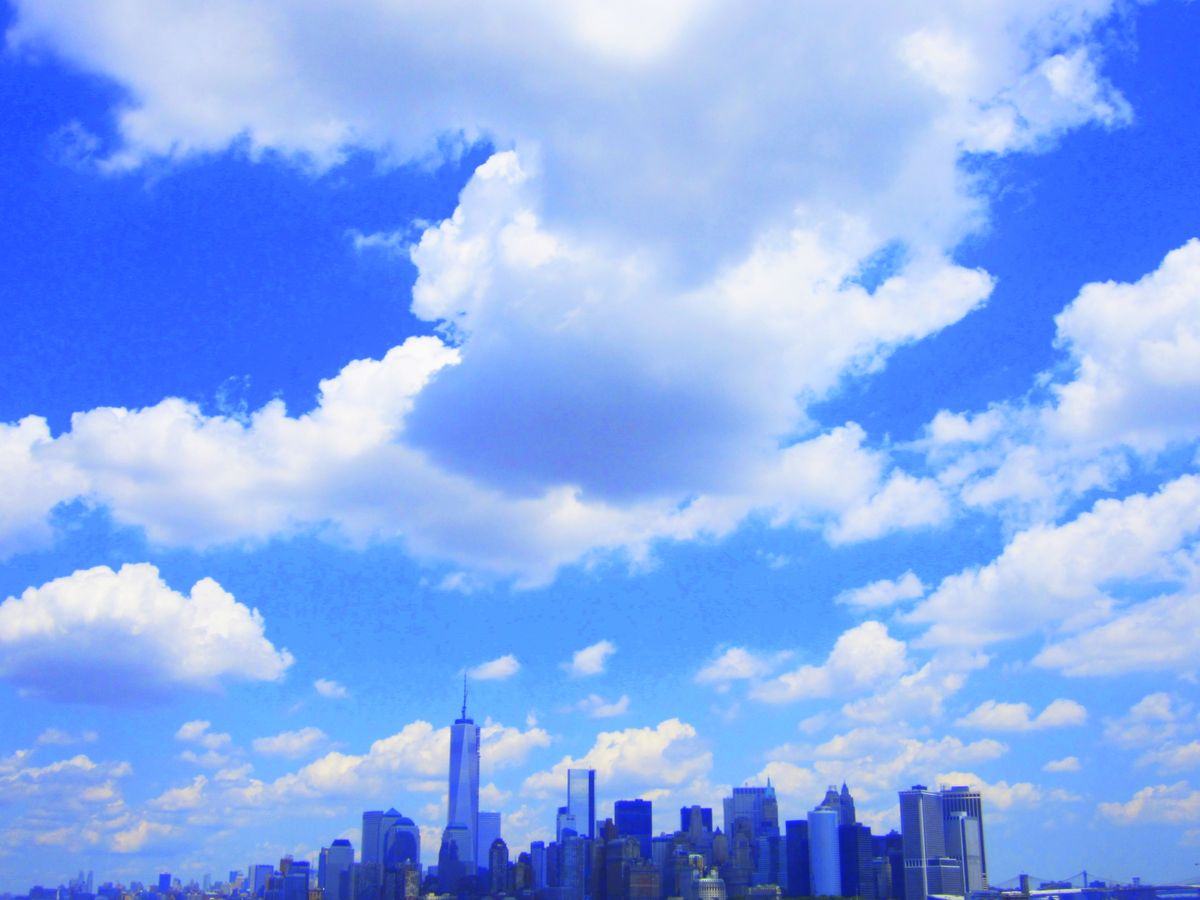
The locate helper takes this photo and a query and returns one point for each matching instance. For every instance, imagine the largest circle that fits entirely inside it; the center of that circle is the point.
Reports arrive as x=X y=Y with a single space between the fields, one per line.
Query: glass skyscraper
x=581 y=800
x=464 y=786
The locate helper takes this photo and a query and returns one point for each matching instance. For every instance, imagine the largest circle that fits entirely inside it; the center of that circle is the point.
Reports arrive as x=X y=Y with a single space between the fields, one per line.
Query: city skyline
x=728 y=394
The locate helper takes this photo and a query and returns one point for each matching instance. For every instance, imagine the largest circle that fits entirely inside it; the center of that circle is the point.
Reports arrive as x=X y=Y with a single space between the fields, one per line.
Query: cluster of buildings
x=939 y=852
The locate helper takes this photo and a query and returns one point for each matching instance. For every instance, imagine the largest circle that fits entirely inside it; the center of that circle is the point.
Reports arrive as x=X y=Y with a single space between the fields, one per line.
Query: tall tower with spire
x=464 y=785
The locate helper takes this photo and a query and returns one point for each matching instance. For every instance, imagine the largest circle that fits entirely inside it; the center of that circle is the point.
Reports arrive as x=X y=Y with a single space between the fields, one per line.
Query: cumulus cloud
x=1156 y=635
x=187 y=797
x=330 y=689
x=883 y=593
x=1002 y=795
x=617 y=321
x=1056 y=575
x=1173 y=757
x=591 y=660
x=496 y=669
x=1161 y=803
x=143 y=836
x=413 y=758
x=1154 y=719
x=862 y=657
x=1066 y=764
x=1130 y=351
x=920 y=694
x=101 y=636
x=599 y=708
x=670 y=754
x=873 y=759
x=291 y=743
x=993 y=715
x=739 y=664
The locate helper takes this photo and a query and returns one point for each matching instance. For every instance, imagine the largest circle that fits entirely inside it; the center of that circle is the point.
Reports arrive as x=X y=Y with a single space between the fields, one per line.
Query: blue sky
x=733 y=395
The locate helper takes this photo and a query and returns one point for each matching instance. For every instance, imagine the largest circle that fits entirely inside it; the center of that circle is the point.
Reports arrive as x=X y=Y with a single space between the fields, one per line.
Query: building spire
x=464 y=711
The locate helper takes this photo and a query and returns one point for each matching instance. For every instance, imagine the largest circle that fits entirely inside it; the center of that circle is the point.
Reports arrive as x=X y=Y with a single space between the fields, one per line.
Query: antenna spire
x=464 y=711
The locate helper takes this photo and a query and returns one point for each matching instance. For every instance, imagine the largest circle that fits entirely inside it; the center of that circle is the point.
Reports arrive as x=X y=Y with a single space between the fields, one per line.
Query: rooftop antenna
x=464 y=712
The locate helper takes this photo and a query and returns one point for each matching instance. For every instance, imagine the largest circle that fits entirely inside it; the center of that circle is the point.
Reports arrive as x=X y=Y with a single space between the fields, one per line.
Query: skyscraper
x=333 y=870
x=824 y=859
x=464 y=786
x=927 y=867
x=799 y=869
x=581 y=800
x=489 y=831
x=757 y=805
x=634 y=818
x=961 y=799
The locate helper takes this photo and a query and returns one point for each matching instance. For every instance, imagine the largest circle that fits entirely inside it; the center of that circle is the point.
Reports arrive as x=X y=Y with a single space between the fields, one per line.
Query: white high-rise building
x=489 y=830
x=464 y=786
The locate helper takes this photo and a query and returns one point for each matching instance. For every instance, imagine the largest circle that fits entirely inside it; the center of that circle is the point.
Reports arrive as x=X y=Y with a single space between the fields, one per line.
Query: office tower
x=823 y=856
x=464 y=785
x=964 y=842
x=564 y=822
x=537 y=862
x=572 y=868
x=451 y=871
x=164 y=882
x=333 y=870
x=846 y=807
x=498 y=865
x=634 y=818
x=854 y=851
x=295 y=880
x=799 y=877
x=770 y=860
x=961 y=799
x=401 y=843
x=688 y=813
x=581 y=800
x=259 y=876
x=489 y=830
x=926 y=870
x=372 y=834
x=758 y=806
x=644 y=881
x=890 y=847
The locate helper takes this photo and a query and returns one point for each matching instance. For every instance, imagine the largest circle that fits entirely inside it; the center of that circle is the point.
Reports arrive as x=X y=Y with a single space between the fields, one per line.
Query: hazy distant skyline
x=729 y=394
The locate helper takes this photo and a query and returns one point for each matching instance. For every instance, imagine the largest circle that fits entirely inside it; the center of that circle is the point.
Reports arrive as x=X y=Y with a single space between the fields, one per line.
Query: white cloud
x=1154 y=719
x=1170 y=803
x=291 y=743
x=142 y=836
x=1173 y=757
x=1159 y=634
x=739 y=664
x=599 y=708
x=497 y=669
x=118 y=637
x=992 y=715
x=618 y=320
x=1002 y=795
x=872 y=760
x=862 y=657
x=1066 y=764
x=591 y=660
x=1130 y=349
x=197 y=732
x=883 y=593
x=187 y=797
x=920 y=694
x=330 y=689
x=1056 y=574
x=59 y=737
x=669 y=754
